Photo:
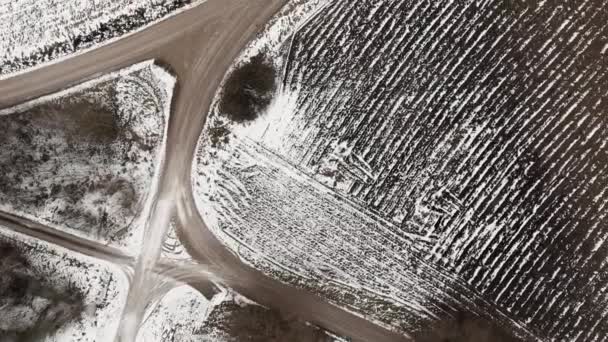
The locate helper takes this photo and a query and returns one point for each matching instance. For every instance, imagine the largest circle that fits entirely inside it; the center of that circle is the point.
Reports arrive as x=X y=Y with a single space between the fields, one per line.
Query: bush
x=248 y=90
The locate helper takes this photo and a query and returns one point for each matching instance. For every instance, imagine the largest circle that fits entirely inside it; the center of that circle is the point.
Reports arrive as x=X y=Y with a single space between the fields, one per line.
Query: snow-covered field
x=39 y=31
x=51 y=294
x=86 y=160
x=421 y=160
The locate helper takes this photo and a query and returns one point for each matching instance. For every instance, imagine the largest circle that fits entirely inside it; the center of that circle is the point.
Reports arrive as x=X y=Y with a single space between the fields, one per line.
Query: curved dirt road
x=199 y=45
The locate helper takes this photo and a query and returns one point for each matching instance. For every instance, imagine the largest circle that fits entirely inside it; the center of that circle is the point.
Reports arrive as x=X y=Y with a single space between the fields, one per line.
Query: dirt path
x=199 y=45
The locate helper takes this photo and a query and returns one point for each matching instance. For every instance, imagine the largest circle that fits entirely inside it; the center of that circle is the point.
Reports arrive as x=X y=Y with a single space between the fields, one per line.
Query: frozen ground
x=232 y=318
x=86 y=160
x=420 y=161
x=177 y=316
x=33 y=32
x=51 y=294
x=184 y=315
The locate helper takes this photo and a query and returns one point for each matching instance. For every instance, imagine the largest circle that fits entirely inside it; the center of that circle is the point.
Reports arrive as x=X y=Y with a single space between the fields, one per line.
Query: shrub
x=248 y=90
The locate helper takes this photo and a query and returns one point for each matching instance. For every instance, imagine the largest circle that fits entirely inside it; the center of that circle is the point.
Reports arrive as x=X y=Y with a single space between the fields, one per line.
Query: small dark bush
x=248 y=90
x=219 y=135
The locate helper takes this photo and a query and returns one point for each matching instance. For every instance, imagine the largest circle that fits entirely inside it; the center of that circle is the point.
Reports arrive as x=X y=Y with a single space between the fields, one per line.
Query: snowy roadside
x=36 y=32
x=176 y=316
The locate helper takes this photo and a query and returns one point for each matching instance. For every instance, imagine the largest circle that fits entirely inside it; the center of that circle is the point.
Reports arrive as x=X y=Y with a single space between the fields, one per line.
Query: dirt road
x=198 y=45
